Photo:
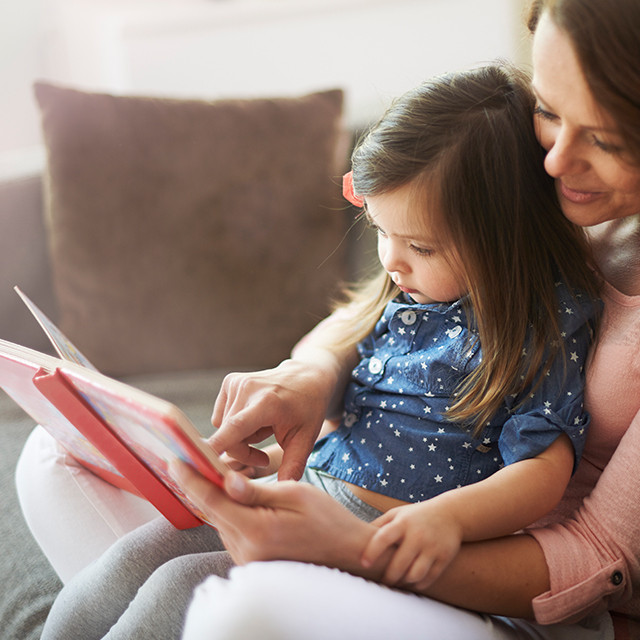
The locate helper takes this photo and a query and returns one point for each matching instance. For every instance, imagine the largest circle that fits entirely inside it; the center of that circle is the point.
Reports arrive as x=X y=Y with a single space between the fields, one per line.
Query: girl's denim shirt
x=395 y=438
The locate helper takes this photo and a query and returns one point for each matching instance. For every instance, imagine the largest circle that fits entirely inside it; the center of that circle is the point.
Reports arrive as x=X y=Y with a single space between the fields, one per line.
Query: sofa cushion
x=187 y=234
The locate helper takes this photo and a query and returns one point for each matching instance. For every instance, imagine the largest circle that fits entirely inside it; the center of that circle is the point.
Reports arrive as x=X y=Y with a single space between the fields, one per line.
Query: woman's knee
x=271 y=600
x=282 y=600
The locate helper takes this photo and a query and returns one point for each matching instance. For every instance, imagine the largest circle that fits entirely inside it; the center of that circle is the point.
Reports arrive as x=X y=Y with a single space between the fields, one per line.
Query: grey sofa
x=39 y=222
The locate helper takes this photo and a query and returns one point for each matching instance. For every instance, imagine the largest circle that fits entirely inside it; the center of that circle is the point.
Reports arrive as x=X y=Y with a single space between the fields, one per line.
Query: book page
x=18 y=366
x=154 y=430
x=63 y=346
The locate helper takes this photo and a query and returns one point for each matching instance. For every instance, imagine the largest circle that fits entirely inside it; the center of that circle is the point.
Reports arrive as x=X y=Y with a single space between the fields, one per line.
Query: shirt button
x=617 y=578
x=408 y=317
x=375 y=366
x=350 y=419
x=454 y=332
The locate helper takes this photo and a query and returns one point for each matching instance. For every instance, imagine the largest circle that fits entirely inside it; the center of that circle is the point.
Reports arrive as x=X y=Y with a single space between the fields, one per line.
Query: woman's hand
x=424 y=538
x=295 y=521
x=280 y=521
x=290 y=402
x=274 y=453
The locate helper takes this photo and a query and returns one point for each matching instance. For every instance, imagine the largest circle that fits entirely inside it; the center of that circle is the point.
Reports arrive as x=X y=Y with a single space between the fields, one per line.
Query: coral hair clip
x=347 y=190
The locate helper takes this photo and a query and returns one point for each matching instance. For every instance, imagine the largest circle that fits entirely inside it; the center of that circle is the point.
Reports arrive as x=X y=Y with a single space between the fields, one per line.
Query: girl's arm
x=290 y=401
x=427 y=535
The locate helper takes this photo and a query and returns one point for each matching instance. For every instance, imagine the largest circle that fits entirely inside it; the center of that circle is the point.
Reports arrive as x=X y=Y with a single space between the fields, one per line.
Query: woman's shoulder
x=616 y=247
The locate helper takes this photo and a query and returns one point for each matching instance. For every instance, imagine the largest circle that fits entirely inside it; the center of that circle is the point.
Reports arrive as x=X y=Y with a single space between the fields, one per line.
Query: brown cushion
x=188 y=234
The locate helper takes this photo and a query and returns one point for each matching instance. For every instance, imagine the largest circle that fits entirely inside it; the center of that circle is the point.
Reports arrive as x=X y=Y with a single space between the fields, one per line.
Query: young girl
x=473 y=337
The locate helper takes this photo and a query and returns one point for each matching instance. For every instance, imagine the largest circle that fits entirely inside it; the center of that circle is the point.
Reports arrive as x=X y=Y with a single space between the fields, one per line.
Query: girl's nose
x=391 y=257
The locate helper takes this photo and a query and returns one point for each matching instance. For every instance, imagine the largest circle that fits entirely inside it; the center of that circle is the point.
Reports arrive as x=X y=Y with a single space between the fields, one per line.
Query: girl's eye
x=372 y=225
x=421 y=251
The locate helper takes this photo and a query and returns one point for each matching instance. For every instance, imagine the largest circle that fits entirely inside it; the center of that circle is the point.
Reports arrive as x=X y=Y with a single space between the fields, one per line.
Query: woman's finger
x=238 y=428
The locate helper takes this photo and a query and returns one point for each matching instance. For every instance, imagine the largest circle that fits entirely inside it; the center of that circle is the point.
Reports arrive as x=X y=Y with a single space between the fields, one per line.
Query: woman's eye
x=606 y=147
x=547 y=115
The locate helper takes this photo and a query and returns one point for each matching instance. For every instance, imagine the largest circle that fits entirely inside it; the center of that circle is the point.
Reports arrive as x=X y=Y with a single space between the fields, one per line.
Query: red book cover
x=125 y=436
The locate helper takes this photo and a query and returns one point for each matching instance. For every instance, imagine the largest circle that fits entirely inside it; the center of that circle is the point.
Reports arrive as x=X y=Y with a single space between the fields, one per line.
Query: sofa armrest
x=24 y=260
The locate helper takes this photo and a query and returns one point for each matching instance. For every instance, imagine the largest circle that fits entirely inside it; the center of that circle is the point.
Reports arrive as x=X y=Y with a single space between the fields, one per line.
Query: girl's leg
x=73 y=515
x=158 y=610
x=295 y=601
x=95 y=600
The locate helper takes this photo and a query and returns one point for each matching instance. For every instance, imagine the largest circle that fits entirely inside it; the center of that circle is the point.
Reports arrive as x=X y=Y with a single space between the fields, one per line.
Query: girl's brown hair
x=466 y=141
x=606 y=38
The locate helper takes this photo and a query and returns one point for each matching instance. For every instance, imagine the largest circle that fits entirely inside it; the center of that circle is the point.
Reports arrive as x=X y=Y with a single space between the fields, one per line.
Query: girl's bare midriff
x=376 y=500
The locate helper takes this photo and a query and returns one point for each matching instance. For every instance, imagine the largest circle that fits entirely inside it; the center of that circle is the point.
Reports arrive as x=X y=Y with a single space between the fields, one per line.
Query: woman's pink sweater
x=591 y=541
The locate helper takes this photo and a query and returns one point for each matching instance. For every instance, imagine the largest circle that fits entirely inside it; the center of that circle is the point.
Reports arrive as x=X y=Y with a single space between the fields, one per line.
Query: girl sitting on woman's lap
x=472 y=344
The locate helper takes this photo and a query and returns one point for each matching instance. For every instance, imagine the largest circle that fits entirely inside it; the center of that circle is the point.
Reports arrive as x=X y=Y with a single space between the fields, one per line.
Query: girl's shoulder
x=575 y=307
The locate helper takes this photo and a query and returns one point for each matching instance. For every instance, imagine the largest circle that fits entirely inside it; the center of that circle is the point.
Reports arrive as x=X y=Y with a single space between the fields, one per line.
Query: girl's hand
x=273 y=451
x=424 y=538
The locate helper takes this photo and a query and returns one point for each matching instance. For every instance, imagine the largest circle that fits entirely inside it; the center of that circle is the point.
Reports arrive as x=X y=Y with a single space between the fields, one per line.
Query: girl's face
x=416 y=261
x=584 y=151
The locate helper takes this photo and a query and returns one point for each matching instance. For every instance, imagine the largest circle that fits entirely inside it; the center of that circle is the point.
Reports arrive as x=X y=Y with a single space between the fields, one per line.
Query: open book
x=124 y=435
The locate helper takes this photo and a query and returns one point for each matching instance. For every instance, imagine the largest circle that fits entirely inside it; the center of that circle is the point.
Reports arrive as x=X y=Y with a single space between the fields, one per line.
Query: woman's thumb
x=240 y=489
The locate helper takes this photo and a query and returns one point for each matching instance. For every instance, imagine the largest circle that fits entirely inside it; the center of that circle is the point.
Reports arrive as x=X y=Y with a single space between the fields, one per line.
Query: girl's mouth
x=406 y=290
x=578 y=197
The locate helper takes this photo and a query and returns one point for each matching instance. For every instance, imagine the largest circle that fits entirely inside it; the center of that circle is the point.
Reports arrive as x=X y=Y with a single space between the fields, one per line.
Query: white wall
x=375 y=49
x=20 y=62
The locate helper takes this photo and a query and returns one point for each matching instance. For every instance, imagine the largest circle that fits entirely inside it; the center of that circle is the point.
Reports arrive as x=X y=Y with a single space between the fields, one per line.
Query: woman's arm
x=290 y=401
x=588 y=564
x=296 y=521
x=564 y=571
x=594 y=557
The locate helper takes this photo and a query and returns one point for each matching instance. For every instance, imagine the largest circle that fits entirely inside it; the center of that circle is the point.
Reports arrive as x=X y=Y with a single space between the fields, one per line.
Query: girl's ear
x=348 y=192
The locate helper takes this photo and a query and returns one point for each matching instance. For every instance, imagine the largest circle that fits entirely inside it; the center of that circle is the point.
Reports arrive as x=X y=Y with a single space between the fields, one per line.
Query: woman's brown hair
x=606 y=38
x=466 y=141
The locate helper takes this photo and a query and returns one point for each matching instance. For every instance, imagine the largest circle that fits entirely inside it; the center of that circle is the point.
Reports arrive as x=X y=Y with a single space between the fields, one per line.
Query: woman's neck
x=616 y=248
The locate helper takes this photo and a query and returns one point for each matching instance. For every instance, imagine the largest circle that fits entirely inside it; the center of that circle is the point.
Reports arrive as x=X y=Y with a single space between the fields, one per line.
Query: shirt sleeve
x=594 y=557
x=556 y=405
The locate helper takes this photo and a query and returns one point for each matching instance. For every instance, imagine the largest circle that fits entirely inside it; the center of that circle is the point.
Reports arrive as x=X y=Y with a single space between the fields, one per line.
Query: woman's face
x=585 y=154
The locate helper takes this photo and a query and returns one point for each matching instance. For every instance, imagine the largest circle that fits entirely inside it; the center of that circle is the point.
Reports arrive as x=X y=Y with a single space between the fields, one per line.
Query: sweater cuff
x=576 y=589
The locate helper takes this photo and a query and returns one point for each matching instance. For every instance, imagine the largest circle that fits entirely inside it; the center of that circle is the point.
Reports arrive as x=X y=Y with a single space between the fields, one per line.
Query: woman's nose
x=565 y=155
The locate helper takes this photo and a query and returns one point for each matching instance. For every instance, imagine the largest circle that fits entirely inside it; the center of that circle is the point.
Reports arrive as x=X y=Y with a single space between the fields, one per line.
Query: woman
x=563 y=572
x=587 y=81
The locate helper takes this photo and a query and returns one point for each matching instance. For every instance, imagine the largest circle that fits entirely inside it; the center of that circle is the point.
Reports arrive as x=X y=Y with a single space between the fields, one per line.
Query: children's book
x=124 y=435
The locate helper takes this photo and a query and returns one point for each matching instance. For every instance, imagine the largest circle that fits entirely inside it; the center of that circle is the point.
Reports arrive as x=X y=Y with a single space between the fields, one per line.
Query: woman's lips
x=578 y=197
